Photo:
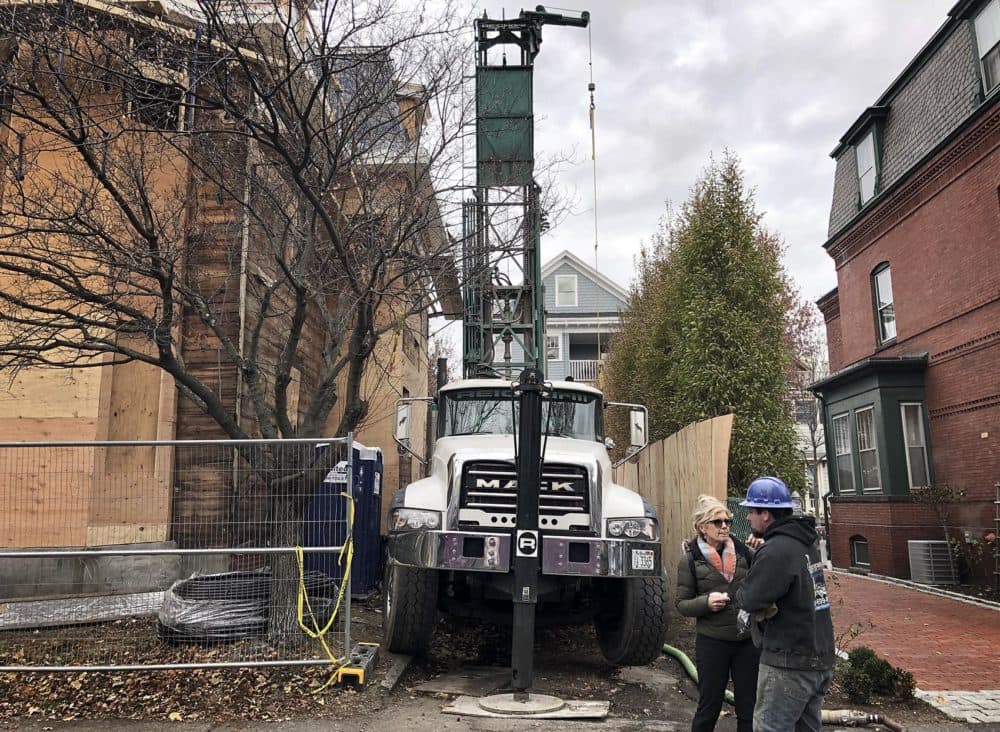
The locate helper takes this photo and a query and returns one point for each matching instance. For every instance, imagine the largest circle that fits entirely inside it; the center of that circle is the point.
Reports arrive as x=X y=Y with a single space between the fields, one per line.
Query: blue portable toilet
x=366 y=569
x=325 y=521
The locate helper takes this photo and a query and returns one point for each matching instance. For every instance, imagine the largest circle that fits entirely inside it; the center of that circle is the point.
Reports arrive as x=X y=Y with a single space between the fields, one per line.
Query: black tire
x=632 y=621
x=409 y=608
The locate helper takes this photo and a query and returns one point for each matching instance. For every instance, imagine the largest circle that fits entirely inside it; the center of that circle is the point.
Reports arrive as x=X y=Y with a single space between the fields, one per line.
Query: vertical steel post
x=350 y=536
x=527 y=542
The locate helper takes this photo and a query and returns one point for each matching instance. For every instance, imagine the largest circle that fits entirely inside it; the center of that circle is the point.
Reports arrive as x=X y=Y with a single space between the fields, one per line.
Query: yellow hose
x=304 y=607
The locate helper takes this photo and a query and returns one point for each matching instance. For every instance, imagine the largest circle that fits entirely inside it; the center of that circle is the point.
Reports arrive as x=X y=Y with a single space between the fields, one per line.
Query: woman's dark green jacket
x=722 y=624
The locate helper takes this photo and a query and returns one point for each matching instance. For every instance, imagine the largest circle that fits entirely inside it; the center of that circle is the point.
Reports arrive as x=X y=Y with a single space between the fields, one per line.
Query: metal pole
x=527 y=542
x=347 y=569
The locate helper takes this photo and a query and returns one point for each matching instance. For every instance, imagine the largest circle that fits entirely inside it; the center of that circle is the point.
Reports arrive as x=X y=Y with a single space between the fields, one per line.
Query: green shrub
x=882 y=673
x=904 y=685
x=860 y=655
x=866 y=674
x=857 y=685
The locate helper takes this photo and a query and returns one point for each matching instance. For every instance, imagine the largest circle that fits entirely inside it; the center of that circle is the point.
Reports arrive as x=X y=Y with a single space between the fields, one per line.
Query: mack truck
x=451 y=537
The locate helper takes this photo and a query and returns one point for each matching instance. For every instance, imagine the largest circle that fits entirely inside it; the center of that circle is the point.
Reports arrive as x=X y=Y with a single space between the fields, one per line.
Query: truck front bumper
x=472 y=551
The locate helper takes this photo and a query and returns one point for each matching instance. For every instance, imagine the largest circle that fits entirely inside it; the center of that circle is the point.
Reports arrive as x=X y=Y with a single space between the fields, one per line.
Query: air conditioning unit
x=931 y=563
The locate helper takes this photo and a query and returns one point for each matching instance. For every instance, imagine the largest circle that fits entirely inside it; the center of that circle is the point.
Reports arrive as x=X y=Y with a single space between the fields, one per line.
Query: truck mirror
x=637 y=428
x=403 y=413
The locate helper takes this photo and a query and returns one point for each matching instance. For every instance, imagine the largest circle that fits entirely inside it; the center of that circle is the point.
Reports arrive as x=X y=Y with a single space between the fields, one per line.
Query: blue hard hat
x=768 y=492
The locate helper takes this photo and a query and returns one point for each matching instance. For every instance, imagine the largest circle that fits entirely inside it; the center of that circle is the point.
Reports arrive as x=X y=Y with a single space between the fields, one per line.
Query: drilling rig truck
x=519 y=516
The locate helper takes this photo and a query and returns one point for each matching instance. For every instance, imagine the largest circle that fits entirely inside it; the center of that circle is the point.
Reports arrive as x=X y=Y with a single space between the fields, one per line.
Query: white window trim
x=883 y=337
x=576 y=291
x=559 y=347
x=994 y=6
x=869 y=137
x=874 y=448
x=906 y=444
x=854 y=557
x=846 y=416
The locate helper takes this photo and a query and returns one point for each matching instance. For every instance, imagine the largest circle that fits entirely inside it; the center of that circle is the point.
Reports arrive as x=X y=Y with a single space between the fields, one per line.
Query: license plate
x=642 y=559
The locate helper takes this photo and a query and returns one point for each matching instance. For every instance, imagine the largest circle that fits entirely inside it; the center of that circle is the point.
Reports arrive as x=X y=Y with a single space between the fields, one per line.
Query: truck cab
x=451 y=536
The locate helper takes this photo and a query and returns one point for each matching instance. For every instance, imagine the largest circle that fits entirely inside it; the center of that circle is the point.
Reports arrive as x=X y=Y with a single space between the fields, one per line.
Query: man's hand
x=754 y=542
x=717 y=601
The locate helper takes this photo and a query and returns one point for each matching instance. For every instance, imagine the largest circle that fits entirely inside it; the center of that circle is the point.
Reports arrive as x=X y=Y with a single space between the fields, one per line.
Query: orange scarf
x=726 y=564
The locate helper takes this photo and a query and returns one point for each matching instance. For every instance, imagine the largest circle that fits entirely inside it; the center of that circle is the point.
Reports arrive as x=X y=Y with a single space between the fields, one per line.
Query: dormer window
x=988 y=40
x=867 y=166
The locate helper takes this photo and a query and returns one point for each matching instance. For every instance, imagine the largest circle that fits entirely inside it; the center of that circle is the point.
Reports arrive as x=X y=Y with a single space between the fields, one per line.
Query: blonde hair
x=704 y=508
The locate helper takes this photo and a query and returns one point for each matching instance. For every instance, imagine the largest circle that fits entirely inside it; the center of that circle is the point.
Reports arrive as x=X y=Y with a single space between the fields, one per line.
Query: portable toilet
x=326 y=518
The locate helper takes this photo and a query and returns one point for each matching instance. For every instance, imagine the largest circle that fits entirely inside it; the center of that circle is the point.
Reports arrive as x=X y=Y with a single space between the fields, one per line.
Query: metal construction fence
x=174 y=554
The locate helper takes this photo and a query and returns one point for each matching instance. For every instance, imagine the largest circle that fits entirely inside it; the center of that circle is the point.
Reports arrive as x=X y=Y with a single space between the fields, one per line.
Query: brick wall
x=938 y=307
x=834 y=344
x=939 y=234
x=886 y=525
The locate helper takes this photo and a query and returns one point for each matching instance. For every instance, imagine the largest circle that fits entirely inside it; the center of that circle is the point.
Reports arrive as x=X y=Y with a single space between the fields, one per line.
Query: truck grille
x=491 y=486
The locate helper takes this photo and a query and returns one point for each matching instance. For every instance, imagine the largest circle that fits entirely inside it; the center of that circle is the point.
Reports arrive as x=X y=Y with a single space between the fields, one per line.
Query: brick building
x=913 y=326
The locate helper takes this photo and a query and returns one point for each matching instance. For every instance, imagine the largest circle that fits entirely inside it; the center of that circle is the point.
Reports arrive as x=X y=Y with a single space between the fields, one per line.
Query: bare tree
x=264 y=184
x=810 y=364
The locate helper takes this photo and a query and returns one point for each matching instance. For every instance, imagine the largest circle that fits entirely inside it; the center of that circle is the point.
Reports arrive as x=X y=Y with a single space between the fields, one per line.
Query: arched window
x=859 y=552
x=885 y=313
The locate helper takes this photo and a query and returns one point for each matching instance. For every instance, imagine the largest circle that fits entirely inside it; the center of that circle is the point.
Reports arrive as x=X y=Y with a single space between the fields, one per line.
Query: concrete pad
x=468 y=706
x=651 y=676
x=397 y=665
x=470 y=681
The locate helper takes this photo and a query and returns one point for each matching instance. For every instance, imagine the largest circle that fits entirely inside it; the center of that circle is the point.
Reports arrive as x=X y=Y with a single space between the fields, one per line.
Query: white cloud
x=777 y=81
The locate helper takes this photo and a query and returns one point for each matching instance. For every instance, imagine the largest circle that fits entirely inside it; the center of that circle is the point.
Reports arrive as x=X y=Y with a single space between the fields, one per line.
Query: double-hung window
x=916 y=444
x=842 y=448
x=553 y=347
x=868 y=449
x=867 y=166
x=885 y=312
x=566 y=291
x=988 y=41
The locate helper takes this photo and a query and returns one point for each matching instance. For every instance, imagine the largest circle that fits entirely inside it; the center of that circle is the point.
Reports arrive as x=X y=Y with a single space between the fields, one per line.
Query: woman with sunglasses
x=709 y=573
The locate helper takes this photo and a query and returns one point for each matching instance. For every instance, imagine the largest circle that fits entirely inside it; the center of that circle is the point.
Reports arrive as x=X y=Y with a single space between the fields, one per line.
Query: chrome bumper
x=470 y=551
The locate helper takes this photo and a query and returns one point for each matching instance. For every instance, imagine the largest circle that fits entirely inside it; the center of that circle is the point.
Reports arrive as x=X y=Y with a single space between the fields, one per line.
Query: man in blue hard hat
x=786 y=594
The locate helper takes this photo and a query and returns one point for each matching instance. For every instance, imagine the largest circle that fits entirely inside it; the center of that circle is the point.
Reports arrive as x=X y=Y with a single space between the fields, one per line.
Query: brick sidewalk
x=947 y=644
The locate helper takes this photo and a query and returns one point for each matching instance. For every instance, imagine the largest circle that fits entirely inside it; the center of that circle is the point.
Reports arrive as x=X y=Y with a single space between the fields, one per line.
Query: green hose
x=689 y=667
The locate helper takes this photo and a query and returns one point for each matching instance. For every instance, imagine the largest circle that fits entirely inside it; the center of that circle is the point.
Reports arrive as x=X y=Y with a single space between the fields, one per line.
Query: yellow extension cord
x=304 y=607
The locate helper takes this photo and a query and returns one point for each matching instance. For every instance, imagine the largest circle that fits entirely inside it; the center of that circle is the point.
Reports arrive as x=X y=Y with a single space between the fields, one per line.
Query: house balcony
x=584 y=370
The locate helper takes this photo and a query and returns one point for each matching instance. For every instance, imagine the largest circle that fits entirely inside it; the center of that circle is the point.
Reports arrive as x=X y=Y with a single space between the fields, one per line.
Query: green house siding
x=883 y=385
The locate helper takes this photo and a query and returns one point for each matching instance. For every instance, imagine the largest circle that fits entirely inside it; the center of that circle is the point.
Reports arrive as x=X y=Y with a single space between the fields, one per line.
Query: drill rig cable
x=591 y=87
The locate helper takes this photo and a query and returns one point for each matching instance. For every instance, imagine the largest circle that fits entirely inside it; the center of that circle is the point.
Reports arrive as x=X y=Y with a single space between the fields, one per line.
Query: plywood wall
x=57 y=496
x=672 y=473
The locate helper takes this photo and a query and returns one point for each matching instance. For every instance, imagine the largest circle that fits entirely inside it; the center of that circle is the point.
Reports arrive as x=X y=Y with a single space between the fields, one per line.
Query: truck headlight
x=406 y=519
x=634 y=528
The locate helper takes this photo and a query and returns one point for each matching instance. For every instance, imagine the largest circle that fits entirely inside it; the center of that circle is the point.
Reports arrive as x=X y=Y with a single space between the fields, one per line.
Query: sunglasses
x=719 y=523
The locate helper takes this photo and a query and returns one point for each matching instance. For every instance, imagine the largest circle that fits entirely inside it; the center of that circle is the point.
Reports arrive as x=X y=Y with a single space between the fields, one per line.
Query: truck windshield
x=494 y=412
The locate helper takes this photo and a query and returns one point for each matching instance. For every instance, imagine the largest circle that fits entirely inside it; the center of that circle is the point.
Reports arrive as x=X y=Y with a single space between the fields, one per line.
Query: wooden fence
x=672 y=473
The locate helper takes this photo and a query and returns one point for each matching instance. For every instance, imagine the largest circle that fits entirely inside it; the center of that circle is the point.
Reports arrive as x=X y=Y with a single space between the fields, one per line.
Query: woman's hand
x=754 y=542
x=717 y=601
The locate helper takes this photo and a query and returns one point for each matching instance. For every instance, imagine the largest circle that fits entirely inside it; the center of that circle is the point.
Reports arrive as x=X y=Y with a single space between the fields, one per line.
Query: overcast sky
x=776 y=81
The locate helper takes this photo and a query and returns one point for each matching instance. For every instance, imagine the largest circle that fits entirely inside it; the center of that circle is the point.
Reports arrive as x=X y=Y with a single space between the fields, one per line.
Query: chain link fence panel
x=174 y=554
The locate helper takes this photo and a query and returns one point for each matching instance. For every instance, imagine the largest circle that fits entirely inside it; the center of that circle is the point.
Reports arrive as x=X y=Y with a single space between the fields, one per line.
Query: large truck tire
x=409 y=608
x=631 y=623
